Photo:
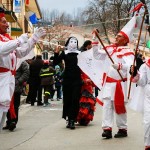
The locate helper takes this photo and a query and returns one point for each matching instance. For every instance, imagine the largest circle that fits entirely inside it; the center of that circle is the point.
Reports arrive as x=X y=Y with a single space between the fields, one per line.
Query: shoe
x=46 y=104
x=52 y=99
x=6 y=127
x=39 y=104
x=68 y=124
x=12 y=126
x=107 y=134
x=58 y=99
x=83 y=122
x=72 y=125
x=121 y=133
x=28 y=102
x=32 y=104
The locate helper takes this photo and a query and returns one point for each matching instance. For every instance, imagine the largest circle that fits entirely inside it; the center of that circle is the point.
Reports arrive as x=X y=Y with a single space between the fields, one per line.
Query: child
x=58 y=81
x=47 y=81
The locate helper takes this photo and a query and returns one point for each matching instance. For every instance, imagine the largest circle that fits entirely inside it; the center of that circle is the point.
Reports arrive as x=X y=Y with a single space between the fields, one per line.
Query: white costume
x=10 y=50
x=143 y=80
x=111 y=89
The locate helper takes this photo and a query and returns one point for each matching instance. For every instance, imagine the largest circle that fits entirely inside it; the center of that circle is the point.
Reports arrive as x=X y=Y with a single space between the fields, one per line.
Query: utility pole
x=23 y=14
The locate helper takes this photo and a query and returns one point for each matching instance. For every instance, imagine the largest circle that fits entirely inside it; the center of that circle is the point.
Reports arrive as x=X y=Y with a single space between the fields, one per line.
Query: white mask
x=72 y=45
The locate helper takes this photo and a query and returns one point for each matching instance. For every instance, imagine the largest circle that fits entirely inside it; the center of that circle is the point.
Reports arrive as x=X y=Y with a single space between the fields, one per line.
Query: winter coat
x=35 y=68
x=22 y=75
x=47 y=75
x=58 y=79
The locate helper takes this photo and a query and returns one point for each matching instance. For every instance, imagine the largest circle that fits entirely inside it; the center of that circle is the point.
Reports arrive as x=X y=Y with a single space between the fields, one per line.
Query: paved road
x=41 y=128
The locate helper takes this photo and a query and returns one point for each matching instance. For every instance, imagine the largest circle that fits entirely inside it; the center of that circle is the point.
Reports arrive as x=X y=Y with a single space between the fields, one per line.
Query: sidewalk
x=23 y=99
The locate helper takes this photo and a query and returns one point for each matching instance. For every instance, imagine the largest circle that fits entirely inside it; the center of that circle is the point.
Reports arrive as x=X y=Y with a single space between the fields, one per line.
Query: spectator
x=58 y=81
x=47 y=80
x=35 y=81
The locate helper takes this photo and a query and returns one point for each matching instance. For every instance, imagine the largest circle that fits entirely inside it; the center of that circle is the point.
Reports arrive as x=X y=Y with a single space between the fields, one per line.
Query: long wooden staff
x=97 y=35
x=136 y=50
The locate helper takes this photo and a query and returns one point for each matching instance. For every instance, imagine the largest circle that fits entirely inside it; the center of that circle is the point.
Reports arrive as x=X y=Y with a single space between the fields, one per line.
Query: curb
x=23 y=100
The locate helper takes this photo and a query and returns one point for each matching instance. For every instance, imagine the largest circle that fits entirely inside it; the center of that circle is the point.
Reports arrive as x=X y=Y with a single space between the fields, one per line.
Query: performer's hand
x=115 y=66
x=38 y=33
x=133 y=71
x=45 y=42
x=23 y=38
x=94 y=38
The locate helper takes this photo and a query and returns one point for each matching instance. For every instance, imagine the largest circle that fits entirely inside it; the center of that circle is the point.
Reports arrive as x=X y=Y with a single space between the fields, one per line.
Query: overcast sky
x=62 y=5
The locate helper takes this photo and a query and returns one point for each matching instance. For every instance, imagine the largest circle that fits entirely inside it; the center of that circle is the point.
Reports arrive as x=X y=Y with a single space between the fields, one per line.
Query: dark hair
x=38 y=56
x=67 y=42
x=85 y=44
x=2 y=10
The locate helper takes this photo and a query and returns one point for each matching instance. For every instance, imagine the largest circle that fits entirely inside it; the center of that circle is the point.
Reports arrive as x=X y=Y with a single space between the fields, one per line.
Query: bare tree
x=109 y=13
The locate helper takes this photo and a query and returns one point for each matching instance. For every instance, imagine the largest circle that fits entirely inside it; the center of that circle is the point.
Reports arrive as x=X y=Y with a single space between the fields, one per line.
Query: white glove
x=38 y=33
x=94 y=40
x=23 y=38
x=115 y=66
x=45 y=43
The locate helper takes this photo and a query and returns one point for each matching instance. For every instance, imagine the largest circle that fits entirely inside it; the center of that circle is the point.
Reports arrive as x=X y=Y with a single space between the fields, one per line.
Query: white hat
x=128 y=30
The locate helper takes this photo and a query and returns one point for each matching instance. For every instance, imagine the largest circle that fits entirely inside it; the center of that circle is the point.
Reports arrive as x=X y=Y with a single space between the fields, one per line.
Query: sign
x=17 y=6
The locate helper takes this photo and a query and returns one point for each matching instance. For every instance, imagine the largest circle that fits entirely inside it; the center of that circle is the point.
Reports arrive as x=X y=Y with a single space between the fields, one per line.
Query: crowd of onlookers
x=36 y=83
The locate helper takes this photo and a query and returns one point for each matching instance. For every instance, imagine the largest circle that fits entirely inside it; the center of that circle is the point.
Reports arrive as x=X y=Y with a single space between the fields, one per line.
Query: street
x=42 y=128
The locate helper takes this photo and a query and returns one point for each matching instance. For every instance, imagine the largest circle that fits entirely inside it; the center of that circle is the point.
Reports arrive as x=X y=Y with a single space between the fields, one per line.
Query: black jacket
x=72 y=73
x=22 y=75
x=35 y=68
x=47 y=75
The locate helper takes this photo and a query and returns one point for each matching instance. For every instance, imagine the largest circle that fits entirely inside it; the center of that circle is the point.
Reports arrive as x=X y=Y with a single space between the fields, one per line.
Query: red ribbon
x=119 y=96
x=12 y=109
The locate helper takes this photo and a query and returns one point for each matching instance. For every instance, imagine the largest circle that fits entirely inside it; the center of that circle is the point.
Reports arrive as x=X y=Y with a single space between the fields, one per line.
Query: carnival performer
x=10 y=50
x=86 y=46
x=71 y=80
x=22 y=75
x=87 y=100
x=142 y=79
x=114 y=90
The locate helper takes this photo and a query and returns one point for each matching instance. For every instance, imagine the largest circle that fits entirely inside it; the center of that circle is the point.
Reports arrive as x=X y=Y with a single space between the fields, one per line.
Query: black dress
x=71 y=84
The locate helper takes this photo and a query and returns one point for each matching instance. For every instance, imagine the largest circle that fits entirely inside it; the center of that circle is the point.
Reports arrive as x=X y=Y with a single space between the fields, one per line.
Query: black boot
x=12 y=126
x=107 y=134
x=6 y=127
x=68 y=124
x=39 y=103
x=121 y=133
x=72 y=125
